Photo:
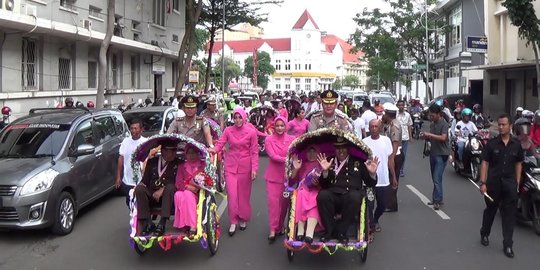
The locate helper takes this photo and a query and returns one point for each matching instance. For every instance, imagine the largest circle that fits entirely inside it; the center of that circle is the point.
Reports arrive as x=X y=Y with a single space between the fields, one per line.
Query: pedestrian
x=124 y=173
x=382 y=148
x=241 y=166
x=500 y=176
x=437 y=138
x=299 y=124
x=358 y=123
x=392 y=129
x=276 y=146
x=368 y=114
x=317 y=105
x=405 y=120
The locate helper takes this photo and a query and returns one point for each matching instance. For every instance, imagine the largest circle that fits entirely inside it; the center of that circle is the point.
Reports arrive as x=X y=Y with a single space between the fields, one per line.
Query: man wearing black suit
x=343 y=189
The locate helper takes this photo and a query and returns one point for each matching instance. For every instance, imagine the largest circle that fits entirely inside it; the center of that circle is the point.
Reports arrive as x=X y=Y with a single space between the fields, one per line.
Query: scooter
x=417 y=125
x=470 y=165
x=529 y=193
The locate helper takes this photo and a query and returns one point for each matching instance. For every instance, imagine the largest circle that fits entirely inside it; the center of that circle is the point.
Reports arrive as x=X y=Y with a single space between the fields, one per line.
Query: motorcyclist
x=69 y=103
x=528 y=115
x=416 y=107
x=463 y=129
x=457 y=118
x=519 y=113
x=478 y=118
x=535 y=128
x=460 y=104
x=522 y=129
x=90 y=104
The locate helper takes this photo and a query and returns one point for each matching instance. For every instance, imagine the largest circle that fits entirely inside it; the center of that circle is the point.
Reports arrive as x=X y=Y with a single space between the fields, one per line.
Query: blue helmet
x=466 y=112
x=439 y=102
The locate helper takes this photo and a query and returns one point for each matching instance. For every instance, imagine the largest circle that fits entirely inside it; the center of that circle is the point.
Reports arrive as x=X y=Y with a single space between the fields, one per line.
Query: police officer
x=328 y=116
x=191 y=125
x=212 y=113
x=500 y=176
x=392 y=129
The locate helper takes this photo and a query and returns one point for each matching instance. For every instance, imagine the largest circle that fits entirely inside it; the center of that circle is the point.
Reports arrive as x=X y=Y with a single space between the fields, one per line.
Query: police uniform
x=318 y=120
x=216 y=115
x=194 y=130
x=393 y=131
x=342 y=192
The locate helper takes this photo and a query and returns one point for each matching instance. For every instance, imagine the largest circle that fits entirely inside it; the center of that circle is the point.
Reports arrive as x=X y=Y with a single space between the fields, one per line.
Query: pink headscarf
x=284 y=120
x=242 y=114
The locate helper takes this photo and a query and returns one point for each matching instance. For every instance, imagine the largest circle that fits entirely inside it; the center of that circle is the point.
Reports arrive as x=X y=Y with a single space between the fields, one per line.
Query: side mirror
x=83 y=150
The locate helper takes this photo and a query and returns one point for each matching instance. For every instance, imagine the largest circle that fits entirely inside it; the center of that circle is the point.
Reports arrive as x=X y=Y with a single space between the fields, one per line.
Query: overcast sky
x=334 y=16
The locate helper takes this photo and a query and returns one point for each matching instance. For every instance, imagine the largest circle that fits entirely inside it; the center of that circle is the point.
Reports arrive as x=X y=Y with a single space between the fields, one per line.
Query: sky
x=334 y=16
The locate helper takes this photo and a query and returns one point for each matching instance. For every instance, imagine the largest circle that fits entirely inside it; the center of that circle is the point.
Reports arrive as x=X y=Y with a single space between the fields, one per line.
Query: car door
x=107 y=139
x=80 y=174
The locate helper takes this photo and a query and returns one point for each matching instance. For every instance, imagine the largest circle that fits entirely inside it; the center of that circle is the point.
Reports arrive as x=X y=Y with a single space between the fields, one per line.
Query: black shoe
x=160 y=229
x=509 y=252
x=148 y=229
x=431 y=203
x=243 y=228
x=271 y=239
x=231 y=233
x=299 y=238
x=325 y=238
x=436 y=206
x=308 y=240
x=484 y=240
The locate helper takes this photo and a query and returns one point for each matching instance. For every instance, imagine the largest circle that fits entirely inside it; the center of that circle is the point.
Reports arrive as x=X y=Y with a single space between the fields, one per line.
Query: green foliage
x=351 y=81
x=201 y=36
x=522 y=15
x=232 y=70
x=264 y=70
x=337 y=85
x=199 y=65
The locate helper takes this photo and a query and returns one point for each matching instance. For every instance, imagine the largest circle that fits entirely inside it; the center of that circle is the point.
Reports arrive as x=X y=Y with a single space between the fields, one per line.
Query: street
x=416 y=237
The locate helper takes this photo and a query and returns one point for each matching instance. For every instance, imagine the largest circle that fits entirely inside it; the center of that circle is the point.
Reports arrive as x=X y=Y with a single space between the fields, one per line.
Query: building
x=49 y=50
x=243 y=31
x=307 y=60
x=510 y=76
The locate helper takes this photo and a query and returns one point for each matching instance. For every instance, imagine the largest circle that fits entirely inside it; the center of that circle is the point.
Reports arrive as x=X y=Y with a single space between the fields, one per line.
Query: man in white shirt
x=316 y=106
x=358 y=123
x=405 y=120
x=466 y=128
x=367 y=115
x=128 y=146
x=382 y=149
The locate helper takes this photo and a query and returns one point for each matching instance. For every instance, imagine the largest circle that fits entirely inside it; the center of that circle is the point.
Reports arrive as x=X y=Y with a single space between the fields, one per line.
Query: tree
x=201 y=36
x=337 y=85
x=264 y=70
x=351 y=81
x=102 y=68
x=236 y=12
x=523 y=15
x=403 y=28
x=188 y=45
x=200 y=66
x=232 y=70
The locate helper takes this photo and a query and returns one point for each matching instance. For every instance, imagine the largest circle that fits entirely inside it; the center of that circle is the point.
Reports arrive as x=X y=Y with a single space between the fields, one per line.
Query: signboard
x=194 y=76
x=158 y=64
x=419 y=66
x=477 y=44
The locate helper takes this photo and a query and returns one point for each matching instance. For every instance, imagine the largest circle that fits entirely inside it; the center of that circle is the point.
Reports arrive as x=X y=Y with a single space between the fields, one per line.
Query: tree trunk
x=537 y=64
x=193 y=12
x=102 y=69
x=209 y=61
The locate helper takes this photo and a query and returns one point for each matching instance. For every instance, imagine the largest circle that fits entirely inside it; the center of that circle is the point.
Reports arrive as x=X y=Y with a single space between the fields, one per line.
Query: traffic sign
x=419 y=66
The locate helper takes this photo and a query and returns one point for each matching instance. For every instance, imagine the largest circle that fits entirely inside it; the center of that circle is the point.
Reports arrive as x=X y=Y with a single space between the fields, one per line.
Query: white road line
x=222 y=206
x=425 y=200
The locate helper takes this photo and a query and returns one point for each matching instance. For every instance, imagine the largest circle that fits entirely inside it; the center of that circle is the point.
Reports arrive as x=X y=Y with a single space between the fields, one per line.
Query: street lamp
x=427 y=50
x=378 y=70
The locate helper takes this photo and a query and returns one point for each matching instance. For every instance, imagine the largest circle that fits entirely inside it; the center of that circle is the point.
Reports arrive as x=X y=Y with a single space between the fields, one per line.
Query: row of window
x=30 y=69
x=453 y=71
x=287 y=65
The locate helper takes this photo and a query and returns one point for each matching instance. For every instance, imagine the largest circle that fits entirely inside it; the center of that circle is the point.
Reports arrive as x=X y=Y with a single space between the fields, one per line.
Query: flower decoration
x=202 y=179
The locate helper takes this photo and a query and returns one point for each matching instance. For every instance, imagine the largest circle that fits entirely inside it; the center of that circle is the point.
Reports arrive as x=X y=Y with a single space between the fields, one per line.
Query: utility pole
x=223 y=50
x=427 y=53
x=378 y=71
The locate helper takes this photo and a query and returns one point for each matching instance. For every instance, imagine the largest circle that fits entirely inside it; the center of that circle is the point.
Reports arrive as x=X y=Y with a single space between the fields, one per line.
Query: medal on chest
x=160 y=182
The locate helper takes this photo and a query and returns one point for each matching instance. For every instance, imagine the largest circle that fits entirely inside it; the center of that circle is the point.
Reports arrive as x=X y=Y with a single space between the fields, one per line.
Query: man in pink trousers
x=241 y=165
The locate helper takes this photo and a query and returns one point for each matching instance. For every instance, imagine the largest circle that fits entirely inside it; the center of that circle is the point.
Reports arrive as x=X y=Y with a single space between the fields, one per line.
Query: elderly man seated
x=342 y=190
x=157 y=188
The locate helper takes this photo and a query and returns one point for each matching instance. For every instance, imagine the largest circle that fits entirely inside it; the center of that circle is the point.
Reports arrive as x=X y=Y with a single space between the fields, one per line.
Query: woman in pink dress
x=276 y=146
x=298 y=125
x=185 y=198
x=306 y=195
x=283 y=111
x=241 y=165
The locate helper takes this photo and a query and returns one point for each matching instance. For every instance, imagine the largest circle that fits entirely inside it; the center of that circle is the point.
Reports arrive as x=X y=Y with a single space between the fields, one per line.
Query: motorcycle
x=470 y=165
x=529 y=193
x=417 y=125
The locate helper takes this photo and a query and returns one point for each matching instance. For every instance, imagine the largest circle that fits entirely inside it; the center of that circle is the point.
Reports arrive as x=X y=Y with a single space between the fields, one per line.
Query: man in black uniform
x=343 y=189
x=157 y=188
x=500 y=176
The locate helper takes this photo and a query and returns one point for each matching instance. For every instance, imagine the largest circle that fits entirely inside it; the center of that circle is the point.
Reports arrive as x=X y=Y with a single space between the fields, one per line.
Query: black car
x=451 y=98
x=155 y=119
x=53 y=162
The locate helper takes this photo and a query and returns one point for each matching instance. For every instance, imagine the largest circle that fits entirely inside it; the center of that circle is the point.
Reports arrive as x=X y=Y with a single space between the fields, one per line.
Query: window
x=278 y=64
x=83 y=135
x=158 y=12
x=494 y=87
x=70 y=4
x=297 y=81
x=114 y=69
x=92 y=74
x=169 y=119
x=94 y=11
x=287 y=86
x=454 y=70
x=308 y=81
x=176 y=5
x=135 y=25
x=287 y=64
x=118 y=27
x=455 y=23
x=64 y=73
x=120 y=124
x=175 y=38
x=105 y=130
x=297 y=87
x=134 y=71
x=278 y=86
x=29 y=67
x=307 y=87
x=174 y=73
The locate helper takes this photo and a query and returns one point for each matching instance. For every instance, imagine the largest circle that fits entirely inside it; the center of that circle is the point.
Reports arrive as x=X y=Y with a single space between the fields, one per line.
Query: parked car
x=53 y=162
x=452 y=98
x=156 y=119
x=358 y=99
x=383 y=98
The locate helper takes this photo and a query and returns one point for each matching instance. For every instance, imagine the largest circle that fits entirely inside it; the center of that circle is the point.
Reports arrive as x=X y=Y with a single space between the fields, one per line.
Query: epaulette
x=317 y=114
x=199 y=118
x=179 y=119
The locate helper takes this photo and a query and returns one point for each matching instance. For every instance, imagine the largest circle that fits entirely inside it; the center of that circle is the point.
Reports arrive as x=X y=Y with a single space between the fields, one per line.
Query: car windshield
x=385 y=99
x=32 y=140
x=360 y=98
x=151 y=120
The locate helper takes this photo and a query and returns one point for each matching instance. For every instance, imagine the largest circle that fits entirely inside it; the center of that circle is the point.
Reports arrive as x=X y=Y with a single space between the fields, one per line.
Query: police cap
x=329 y=96
x=190 y=101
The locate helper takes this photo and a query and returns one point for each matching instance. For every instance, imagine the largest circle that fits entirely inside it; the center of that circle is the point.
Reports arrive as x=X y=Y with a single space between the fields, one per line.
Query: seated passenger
x=157 y=189
x=185 y=198
x=308 y=173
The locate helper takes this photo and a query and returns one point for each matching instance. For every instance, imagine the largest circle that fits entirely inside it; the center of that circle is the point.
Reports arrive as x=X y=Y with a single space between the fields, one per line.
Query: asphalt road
x=416 y=237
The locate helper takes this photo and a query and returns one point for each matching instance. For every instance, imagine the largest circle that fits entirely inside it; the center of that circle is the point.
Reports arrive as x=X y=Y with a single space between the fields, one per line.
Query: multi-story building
x=451 y=55
x=307 y=60
x=49 y=50
x=510 y=79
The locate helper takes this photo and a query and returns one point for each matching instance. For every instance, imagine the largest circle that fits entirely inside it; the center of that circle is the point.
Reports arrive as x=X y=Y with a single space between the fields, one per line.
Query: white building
x=49 y=50
x=306 y=60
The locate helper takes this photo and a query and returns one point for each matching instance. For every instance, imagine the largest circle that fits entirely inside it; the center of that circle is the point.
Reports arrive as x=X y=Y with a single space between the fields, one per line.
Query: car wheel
x=64 y=217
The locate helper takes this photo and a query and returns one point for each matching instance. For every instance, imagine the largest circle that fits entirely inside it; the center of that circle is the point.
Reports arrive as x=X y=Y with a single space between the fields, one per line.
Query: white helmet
x=519 y=109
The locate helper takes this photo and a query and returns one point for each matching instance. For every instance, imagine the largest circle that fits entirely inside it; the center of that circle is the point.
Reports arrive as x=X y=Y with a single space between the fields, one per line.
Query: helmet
x=466 y=112
x=79 y=104
x=6 y=110
x=528 y=114
x=439 y=102
x=69 y=99
x=519 y=109
x=522 y=126
x=90 y=104
x=460 y=101
x=477 y=107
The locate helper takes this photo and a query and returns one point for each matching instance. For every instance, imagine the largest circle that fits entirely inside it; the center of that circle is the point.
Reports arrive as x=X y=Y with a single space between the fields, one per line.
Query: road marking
x=425 y=200
x=222 y=206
